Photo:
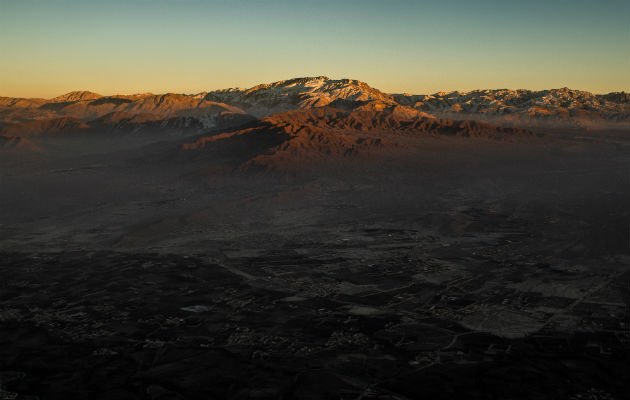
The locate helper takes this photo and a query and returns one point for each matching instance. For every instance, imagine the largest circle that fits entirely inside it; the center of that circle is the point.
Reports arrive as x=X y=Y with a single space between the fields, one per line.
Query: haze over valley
x=298 y=200
x=451 y=232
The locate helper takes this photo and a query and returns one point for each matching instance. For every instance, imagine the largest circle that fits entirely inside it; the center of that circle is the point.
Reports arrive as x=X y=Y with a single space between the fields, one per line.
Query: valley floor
x=458 y=268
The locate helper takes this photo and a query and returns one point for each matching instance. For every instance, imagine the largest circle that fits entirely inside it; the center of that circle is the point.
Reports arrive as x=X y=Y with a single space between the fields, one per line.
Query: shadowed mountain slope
x=340 y=105
x=284 y=141
x=515 y=108
x=64 y=125
x=18 y=143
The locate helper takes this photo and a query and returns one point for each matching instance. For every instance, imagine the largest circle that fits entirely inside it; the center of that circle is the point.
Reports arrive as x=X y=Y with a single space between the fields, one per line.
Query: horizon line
x=309 y=77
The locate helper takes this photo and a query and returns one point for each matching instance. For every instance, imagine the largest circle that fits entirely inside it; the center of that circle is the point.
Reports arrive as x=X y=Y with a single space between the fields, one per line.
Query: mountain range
x=220 y=107
x=273 y=125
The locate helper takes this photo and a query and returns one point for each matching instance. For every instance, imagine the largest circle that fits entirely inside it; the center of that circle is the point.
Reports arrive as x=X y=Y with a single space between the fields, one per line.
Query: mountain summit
x=189 y=114
x=297 y=94
x=75 y=96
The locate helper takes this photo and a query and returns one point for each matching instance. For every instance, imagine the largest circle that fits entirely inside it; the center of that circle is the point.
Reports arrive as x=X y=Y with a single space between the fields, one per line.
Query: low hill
x=285 y=141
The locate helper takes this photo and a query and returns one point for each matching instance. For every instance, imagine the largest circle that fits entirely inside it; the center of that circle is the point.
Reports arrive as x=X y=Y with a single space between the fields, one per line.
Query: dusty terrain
x=433 y=267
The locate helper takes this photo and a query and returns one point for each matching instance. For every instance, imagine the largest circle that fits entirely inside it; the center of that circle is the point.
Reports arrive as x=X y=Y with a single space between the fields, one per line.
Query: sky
x=50 y=47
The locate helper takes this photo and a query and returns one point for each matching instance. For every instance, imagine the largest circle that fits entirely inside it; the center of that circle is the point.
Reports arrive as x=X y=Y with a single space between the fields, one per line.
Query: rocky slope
x=63 y=125
x=76 y=96
x=18 y=143
x=390 y=120
x=189 y=114
x=297 y=94
x=526 y=107
x=87 y=106
x=285 y=141
x=120 y=123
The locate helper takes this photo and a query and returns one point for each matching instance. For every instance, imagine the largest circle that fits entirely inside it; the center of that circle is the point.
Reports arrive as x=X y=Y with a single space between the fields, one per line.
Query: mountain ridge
x=520 y=108
x=289 y=141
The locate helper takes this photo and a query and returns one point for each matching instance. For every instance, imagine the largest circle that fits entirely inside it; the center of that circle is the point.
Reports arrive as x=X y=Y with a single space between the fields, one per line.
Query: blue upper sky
x=51 y=47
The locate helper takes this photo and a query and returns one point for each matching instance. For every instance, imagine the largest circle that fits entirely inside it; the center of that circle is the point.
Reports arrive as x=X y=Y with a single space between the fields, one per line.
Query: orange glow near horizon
x=416 y=47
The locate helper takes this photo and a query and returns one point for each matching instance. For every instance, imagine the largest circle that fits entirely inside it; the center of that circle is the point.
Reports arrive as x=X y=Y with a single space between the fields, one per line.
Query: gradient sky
x=49 y=47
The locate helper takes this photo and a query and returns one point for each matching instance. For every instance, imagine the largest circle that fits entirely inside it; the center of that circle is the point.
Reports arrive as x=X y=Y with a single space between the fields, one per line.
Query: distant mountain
x=526 y=107
x=87 y=106
x=18 y=143
x=119 y=123
x=64 y=125
x=297 y=94
x=180 y=114
x=75 y=96
x=285 y=141
x=394 y=119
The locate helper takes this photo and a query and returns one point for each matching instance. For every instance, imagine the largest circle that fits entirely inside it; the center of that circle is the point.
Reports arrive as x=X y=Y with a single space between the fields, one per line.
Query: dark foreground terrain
x=118 y=326
x=462 y=268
